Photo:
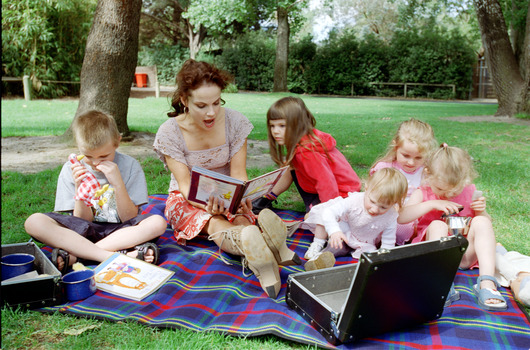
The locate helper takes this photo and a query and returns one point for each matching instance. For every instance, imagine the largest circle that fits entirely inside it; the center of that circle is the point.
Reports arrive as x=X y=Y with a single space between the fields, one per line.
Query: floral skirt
x=187 y=220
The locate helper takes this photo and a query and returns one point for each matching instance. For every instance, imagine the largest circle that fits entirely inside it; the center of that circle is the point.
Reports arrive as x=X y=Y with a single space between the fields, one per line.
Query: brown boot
x=261 y=260
x=321 y=261
x=275 y=233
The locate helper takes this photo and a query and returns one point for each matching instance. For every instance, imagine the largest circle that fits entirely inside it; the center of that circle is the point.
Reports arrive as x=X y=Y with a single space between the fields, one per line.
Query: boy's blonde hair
x=415 y=131
x=94 y=129
x=388 y=185
x=450 y=165
x=298 y=122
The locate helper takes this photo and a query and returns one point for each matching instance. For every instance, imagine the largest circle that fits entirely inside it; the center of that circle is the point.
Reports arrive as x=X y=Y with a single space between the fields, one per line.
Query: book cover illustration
x=129 y=277
x=206 y=183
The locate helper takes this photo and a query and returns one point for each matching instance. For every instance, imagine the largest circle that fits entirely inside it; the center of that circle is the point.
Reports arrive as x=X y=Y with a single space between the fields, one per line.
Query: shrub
x=250 y=58
x=45 y=40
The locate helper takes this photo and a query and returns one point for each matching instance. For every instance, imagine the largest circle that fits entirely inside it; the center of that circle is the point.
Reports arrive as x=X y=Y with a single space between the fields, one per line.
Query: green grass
x=362 y=127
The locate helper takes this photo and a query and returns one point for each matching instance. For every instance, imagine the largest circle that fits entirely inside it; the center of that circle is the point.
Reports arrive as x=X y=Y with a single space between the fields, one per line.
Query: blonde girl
x=361 y=221
x=318 y=169
x=449 y=190
x=413 y=142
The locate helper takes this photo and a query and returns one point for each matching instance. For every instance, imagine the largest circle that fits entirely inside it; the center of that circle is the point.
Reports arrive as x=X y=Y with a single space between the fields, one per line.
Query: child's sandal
x=144 y=248
x=483 y=294
x=58 y=252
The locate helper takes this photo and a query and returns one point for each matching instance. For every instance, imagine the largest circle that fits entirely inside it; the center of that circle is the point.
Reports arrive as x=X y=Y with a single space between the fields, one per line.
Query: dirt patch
x=35 y=154
x=491 y=119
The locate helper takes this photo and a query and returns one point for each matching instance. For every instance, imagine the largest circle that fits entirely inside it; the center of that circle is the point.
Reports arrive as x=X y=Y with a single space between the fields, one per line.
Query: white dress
x=362 y=230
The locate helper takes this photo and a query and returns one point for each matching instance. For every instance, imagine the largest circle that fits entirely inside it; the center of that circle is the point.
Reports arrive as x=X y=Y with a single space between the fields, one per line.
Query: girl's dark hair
x=192 y=75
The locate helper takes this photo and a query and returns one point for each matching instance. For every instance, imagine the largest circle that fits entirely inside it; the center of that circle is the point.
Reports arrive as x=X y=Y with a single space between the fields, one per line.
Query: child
x=82 y=235
x=412 y=143
x=449 y=174
x=357 y=223
x=319 y=170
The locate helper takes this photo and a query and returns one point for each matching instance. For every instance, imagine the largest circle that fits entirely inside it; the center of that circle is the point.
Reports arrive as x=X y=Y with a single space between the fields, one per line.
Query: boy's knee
x=156 y=224
x=34 y=222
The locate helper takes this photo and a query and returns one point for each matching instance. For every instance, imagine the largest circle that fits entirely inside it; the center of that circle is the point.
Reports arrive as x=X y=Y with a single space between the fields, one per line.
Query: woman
x=200 y=132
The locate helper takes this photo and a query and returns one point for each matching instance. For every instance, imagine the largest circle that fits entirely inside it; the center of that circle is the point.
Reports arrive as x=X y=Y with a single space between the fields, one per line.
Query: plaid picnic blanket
x=205 y=294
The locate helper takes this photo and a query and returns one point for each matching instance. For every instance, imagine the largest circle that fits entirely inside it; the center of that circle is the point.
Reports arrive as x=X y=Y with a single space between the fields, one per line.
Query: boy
x=111 y=223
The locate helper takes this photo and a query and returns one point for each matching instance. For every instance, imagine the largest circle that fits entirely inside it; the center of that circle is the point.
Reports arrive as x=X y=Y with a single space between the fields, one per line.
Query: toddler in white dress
x=360 y=222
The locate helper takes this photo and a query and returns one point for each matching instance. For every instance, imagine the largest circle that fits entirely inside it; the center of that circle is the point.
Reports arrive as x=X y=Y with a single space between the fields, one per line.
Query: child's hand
x=447 y=207
x=336 y=239
x=479 y=205
x=111 y=172
x=78 y=173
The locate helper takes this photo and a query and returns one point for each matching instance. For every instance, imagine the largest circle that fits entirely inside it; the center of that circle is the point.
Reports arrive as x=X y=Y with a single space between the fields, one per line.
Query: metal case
x=34 y=292
x=387 y=290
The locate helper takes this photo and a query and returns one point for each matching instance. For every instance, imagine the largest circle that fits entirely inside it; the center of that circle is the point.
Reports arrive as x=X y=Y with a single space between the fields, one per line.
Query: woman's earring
x=186 y=109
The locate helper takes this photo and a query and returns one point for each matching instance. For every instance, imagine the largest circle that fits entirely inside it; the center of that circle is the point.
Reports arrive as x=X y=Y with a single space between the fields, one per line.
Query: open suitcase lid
x=400 y=287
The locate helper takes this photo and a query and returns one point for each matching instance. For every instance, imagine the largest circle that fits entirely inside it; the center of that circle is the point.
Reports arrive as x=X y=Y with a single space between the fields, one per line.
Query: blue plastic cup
x=79 y=285
x=16 y=264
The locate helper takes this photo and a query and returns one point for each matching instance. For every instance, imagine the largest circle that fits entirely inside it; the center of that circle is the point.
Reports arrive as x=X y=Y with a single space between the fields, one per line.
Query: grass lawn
x=362 y=127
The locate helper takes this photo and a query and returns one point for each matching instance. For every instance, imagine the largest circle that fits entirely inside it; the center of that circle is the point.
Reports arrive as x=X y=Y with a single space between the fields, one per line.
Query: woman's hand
x=245 y=207
x=215 y=206
x=336 y=239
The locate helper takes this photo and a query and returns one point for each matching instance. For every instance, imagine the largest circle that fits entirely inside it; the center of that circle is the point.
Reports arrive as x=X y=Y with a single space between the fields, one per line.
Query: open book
x=129 y=277
x=206 y=183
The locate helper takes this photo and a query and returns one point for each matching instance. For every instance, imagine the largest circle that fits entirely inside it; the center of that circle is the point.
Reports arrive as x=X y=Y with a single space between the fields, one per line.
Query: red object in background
x=141 y=80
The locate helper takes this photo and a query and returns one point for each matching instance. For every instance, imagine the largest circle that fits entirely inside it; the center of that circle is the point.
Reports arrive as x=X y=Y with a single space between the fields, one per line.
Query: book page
x=207 y=187
x=263 y=184
x=128 y=277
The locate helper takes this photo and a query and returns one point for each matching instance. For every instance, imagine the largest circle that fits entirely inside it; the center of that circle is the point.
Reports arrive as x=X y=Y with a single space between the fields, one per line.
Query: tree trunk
x=282 y=51
x=510 y=86
x=110 y=60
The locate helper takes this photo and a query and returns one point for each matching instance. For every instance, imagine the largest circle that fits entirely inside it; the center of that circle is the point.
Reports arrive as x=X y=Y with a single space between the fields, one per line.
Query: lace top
x=169 y=141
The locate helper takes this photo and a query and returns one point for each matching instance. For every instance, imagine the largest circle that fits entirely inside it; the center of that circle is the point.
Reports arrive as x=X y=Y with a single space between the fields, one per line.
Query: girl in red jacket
x=318 y=169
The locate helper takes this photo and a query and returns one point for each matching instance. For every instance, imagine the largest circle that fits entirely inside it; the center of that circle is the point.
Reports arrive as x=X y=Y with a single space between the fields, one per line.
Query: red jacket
x=316 y=173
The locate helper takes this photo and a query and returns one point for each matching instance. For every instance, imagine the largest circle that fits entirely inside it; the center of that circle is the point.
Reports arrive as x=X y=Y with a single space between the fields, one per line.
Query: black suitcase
x=37 y=292
x=387 y=290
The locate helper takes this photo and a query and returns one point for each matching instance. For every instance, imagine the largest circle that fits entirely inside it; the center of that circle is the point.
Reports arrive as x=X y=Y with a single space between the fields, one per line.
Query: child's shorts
x=94 y=231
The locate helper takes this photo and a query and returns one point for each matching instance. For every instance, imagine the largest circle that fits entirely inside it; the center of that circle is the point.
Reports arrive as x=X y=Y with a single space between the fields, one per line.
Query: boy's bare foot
x=148 y=257
x=147 y=252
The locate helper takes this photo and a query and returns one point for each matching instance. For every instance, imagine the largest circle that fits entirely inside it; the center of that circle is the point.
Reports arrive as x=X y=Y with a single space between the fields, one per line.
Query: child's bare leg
x=127 y=237
x=436 y=230
x=482 y=248
x=48 y=231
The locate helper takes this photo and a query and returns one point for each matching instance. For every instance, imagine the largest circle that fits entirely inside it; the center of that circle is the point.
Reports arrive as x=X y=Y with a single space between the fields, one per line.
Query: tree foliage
x=45 y=40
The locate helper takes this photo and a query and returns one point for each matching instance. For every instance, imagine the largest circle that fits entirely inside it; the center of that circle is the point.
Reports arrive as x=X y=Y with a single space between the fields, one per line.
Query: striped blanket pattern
x=205 y=294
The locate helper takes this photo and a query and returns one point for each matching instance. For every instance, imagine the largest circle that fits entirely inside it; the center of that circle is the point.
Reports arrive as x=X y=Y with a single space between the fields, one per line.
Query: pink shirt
x=463 y=198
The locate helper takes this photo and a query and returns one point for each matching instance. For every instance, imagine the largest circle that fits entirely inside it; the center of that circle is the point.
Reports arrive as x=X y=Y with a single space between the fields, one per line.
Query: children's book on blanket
x=129 y=277
x=231 y=191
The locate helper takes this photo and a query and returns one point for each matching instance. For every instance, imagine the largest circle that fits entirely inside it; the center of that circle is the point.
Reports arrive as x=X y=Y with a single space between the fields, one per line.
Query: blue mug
x=16 y=264
x=79 y=285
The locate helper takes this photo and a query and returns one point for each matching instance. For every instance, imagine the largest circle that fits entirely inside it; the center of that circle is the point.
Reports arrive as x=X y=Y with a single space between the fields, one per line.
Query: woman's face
x=204 y=104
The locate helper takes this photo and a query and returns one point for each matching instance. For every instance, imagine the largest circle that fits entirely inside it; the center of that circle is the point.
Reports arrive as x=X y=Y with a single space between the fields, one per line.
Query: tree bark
x=110 y=60
x=282 y=51
x=510 y=86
